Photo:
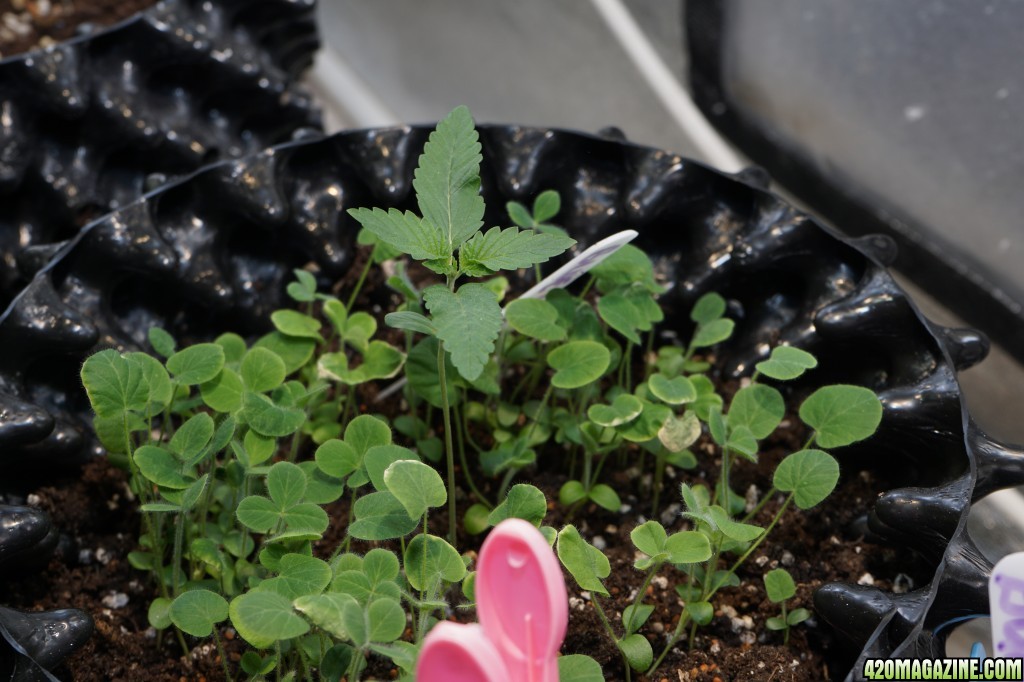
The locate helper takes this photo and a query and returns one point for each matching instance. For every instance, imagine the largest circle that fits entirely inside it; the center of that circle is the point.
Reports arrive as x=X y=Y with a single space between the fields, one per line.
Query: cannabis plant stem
x=448 y=446
x=359 y=283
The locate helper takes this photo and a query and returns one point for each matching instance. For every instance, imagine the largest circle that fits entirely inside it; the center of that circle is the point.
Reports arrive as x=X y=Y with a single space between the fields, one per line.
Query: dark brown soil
x=817 y=546
x=31 y=24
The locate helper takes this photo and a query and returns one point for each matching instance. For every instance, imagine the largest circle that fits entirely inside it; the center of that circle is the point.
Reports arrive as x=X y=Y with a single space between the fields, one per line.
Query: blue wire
x=959 y=619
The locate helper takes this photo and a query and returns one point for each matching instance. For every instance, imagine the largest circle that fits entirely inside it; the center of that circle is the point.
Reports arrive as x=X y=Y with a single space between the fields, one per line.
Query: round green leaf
x=620 y=314
x=327 y=611
x=263 y=618
x=259 y=448
x=779 y=585
x=841 y=414
x=587 y=564
x=786 y=363
x=637 y=651
x=194 y=435
x=294 y=323
x=286 y=484
x=114 y=384
x=688 y=547
x=337 y=458
x=161 y=467
x=321 y=488
x=197 y=611
x=675 y=391
x=224 y=392
x=159 y=615
x=268 y=419
x=380 y=516
x=380 y=457
x=162 y=342
x=233 y=345
x=701 y=612
x=299 y=575
x=649 y=538
x=429 y=559
x=294 y=350
x=380 y=565
x=257 y=513
x=416 y=485
x=708 y=308
x=546 y=206
x=474 y=519
x=196 y=364
x=535 y=318
x=648 y=425
x=155 y=382
x=571 y=493
x=365 y=432
x=713 y=332
x=605 y=497
x=679 y=433
x=758 y=407
x=387 y=619
x=578 y=363
x=624 y=409
x=523 y=501
x=262 y=370
x=579 y=668
x=811 y=475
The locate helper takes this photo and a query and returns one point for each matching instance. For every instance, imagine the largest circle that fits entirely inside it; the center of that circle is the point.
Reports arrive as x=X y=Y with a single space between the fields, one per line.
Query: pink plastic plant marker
x=523 y=610
x=521 y=600
x=454 y=652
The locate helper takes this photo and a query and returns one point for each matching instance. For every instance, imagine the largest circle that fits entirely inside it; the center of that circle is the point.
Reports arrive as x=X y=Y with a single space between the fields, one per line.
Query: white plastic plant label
x=581 y=264
x=1006 y=601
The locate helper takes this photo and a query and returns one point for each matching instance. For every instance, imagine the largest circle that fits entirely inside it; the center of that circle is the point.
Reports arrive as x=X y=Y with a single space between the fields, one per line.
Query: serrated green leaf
x=429 y=559
x=468 y=322
x=262 y=370
x=811 y=475
x=196 y=612
x=841 y=414
x=447 y=180
x=786 y=363
x=510 y=249
x=523 y=501
x=535 y=318
x=416 y=485
x=262 y=618
x=779 y=585
x=578 y=363
x=406 y=232
x=196 y=364
x=587 y=564
x=758 y=407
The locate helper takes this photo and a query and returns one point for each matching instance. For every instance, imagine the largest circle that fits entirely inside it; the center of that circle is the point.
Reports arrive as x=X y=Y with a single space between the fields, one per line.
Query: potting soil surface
x=31 y=24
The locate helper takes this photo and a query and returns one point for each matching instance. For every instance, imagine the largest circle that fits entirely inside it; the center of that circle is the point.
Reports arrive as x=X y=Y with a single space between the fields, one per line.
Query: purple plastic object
x=523 y=609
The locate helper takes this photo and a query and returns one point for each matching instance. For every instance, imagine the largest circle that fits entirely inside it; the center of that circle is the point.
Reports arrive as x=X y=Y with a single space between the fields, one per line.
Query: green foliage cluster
x=217 y=436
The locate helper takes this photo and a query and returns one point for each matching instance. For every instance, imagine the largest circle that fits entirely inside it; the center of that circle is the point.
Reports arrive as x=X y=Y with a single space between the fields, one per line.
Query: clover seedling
x=778 y=583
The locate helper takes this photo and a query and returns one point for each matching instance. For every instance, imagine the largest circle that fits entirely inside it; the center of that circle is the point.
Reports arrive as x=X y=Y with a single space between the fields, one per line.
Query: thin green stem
x=810 y=441
x=659 y=477
x=462 y=458
x=179 y=539
x=449 y=447
x=223 y=655
x=684 y=617
x=757 y=543
x=760 y=505
x=359 y=282
x=785 y=637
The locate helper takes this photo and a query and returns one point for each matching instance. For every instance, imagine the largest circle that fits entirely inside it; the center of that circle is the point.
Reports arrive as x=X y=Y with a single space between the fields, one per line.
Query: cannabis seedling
x=446 y=237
